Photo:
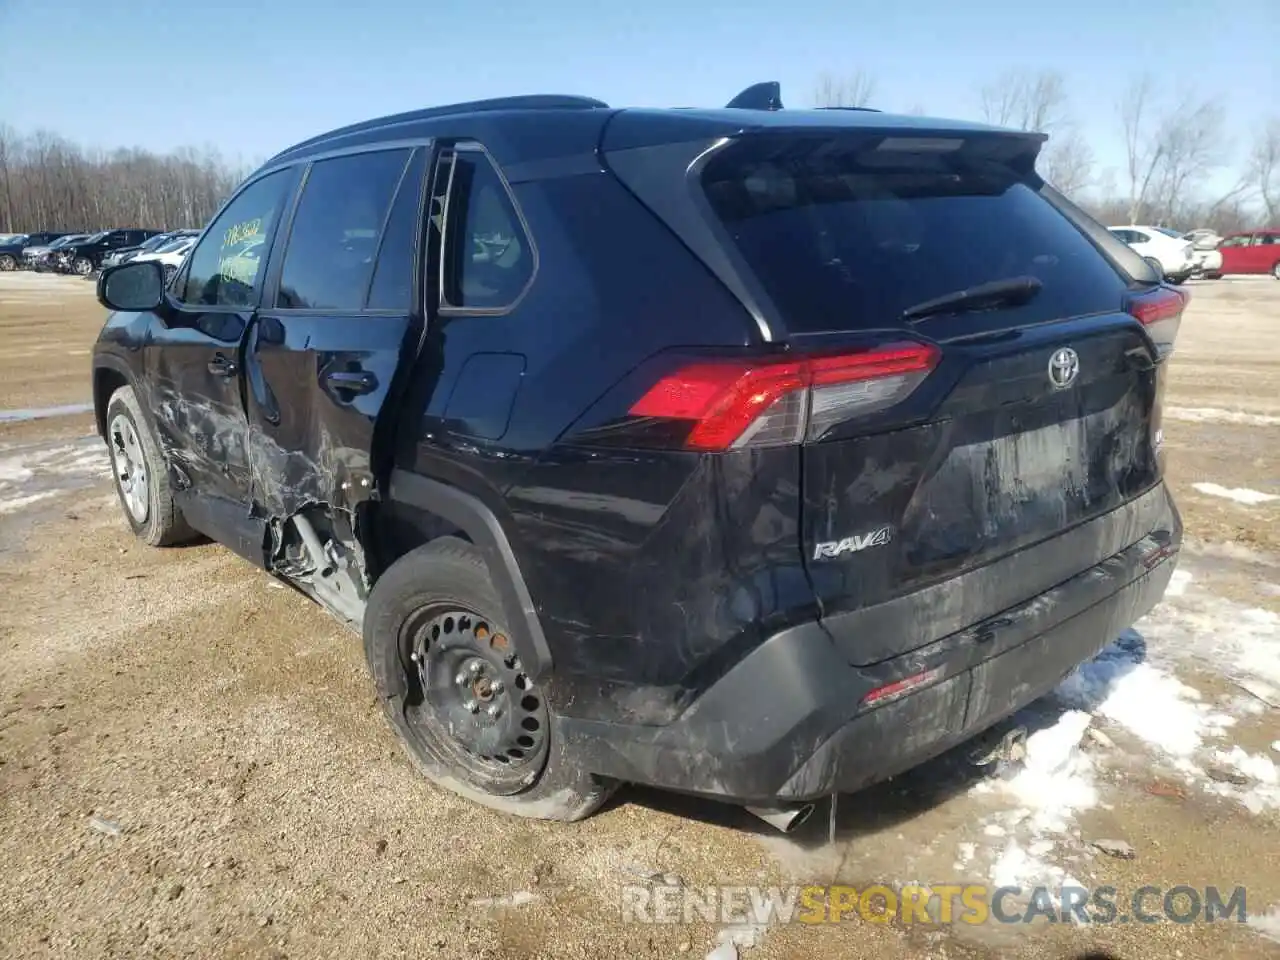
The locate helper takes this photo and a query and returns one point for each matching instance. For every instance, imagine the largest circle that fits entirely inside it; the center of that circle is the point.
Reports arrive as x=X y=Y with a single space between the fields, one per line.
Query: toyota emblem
x=1063 y=367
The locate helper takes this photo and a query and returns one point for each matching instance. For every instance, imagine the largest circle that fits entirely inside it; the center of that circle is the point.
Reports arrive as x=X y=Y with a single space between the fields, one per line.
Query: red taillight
x=736 y=403
x=1160 y=311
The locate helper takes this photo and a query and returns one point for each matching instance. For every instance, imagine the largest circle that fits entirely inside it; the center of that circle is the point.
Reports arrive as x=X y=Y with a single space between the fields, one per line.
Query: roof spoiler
x=758 y=96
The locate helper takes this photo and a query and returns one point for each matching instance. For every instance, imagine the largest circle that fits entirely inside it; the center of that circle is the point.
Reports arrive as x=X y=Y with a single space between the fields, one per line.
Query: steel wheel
x=130 y=468
x=7 y=263
x=477 y=707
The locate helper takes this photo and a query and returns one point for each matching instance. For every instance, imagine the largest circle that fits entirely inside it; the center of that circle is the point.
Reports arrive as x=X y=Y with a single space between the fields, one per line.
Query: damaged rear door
x=322 y=358
x=984 y=377
x=194 y=360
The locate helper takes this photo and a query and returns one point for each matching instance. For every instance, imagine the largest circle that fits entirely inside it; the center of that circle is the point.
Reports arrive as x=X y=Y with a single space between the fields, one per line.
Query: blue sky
x=252 y=77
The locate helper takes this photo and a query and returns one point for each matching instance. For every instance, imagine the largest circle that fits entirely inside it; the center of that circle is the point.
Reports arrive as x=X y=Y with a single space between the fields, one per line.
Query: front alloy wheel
x=130 y=467
x=82 y=266
x=7 y=263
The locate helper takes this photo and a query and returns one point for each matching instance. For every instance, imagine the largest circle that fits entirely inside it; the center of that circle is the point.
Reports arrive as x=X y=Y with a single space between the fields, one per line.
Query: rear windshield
x=848 y=238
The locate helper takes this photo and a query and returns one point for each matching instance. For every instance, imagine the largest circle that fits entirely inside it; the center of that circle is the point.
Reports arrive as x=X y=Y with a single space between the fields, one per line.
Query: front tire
x=453 y=687
x=141 y=475
x=7 y=263
x=82 y=266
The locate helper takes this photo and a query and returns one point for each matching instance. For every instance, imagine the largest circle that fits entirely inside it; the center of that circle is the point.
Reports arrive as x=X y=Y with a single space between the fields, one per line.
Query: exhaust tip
x=783 y=819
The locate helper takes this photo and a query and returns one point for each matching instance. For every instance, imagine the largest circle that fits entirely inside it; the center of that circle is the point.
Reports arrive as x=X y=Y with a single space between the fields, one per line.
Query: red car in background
x=1257 y=251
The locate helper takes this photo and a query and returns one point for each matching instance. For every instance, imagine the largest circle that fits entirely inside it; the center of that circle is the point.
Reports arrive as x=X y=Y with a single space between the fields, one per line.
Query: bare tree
x=1142 y=149
x=1067 y=162
x=1026 y=101
x=1189 y=143
x=1038 y=101
x=1168 y=152
x=851 y=90
x=1263 y=172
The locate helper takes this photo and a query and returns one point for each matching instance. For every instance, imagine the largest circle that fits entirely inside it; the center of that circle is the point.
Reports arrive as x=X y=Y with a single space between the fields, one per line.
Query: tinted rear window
x=848 y=238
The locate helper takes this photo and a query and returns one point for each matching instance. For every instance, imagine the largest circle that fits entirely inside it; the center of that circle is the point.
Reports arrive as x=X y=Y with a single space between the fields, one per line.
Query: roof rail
x=759 y=96
x=530 y=102
x=864 y=109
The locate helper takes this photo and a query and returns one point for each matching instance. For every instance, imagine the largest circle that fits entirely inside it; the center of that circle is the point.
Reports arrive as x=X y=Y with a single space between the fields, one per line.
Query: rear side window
x=392 y=287
x=334 y=238
x=845 y=237
x=487 y=260
x=226 y=268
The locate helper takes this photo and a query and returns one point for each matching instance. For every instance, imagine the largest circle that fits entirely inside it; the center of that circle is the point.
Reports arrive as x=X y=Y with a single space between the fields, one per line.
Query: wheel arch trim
x=104 y=364
x=481 y=525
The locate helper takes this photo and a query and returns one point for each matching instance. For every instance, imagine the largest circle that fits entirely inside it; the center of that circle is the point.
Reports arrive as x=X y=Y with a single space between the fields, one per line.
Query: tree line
x=1173 y=147
x=1174 y=144
x=50 y=183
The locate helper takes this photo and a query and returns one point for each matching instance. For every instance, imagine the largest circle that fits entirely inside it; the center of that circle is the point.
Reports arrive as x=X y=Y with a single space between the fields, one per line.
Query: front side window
x=227 y=266
x=334 y=238
x=487 y=259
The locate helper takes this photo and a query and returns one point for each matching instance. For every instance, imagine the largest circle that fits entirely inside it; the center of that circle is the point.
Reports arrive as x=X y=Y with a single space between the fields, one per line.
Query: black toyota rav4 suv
x=753 y=453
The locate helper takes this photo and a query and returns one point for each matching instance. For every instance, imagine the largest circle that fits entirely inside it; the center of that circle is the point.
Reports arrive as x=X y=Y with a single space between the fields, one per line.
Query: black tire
x=161 y=523
x=1213 y=276
x=82 y=266
x=1275 y=270
x=7 y=263
x=405 y=606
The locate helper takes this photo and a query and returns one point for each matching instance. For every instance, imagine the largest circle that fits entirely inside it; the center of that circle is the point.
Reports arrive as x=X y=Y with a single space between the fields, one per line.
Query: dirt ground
x=192 y=762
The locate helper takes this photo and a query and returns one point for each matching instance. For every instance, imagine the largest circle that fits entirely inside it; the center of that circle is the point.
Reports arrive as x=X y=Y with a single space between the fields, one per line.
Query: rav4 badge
x=831 y=549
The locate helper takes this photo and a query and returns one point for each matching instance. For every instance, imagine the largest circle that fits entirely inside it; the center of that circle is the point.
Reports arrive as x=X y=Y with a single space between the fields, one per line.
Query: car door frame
x=220 y=509
x=349 y=491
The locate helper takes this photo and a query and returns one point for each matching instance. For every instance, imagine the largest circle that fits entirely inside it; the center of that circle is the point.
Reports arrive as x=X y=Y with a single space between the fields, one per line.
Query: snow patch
x=1239 y=494
x=12 y=471
x=1056 y=779
x=14 y=504
x=1156 y=707
x=1256 y=797
x=1022 y=867
x=1228 y=638
x=1267 y=923
x=1218 y=415
x=1054 y=783
x=1253 y=765
x=43 y=413
x=1178 y=583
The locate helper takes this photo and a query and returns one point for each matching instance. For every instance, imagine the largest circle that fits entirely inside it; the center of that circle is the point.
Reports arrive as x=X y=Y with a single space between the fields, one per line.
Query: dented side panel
x=315 y=386
x=192 y=388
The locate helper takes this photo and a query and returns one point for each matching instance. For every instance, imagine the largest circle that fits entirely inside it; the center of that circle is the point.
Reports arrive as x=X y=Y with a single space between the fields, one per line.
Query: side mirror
x=136 y=286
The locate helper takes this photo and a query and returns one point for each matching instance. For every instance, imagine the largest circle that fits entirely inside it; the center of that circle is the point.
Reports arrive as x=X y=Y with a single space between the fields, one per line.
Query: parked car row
x=1203 y=252
x=84 y=254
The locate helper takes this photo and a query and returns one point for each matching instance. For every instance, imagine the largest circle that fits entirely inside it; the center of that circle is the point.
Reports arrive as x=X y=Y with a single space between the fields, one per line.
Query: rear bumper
x=786 y=723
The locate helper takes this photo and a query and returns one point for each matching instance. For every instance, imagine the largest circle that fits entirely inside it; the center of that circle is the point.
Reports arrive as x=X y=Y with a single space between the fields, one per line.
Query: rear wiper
x=985 y=296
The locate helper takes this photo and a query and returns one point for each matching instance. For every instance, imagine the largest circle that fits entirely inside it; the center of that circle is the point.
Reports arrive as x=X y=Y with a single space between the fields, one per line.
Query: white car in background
x=171 y=255
x=1205 y=252
x=1171 y=254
